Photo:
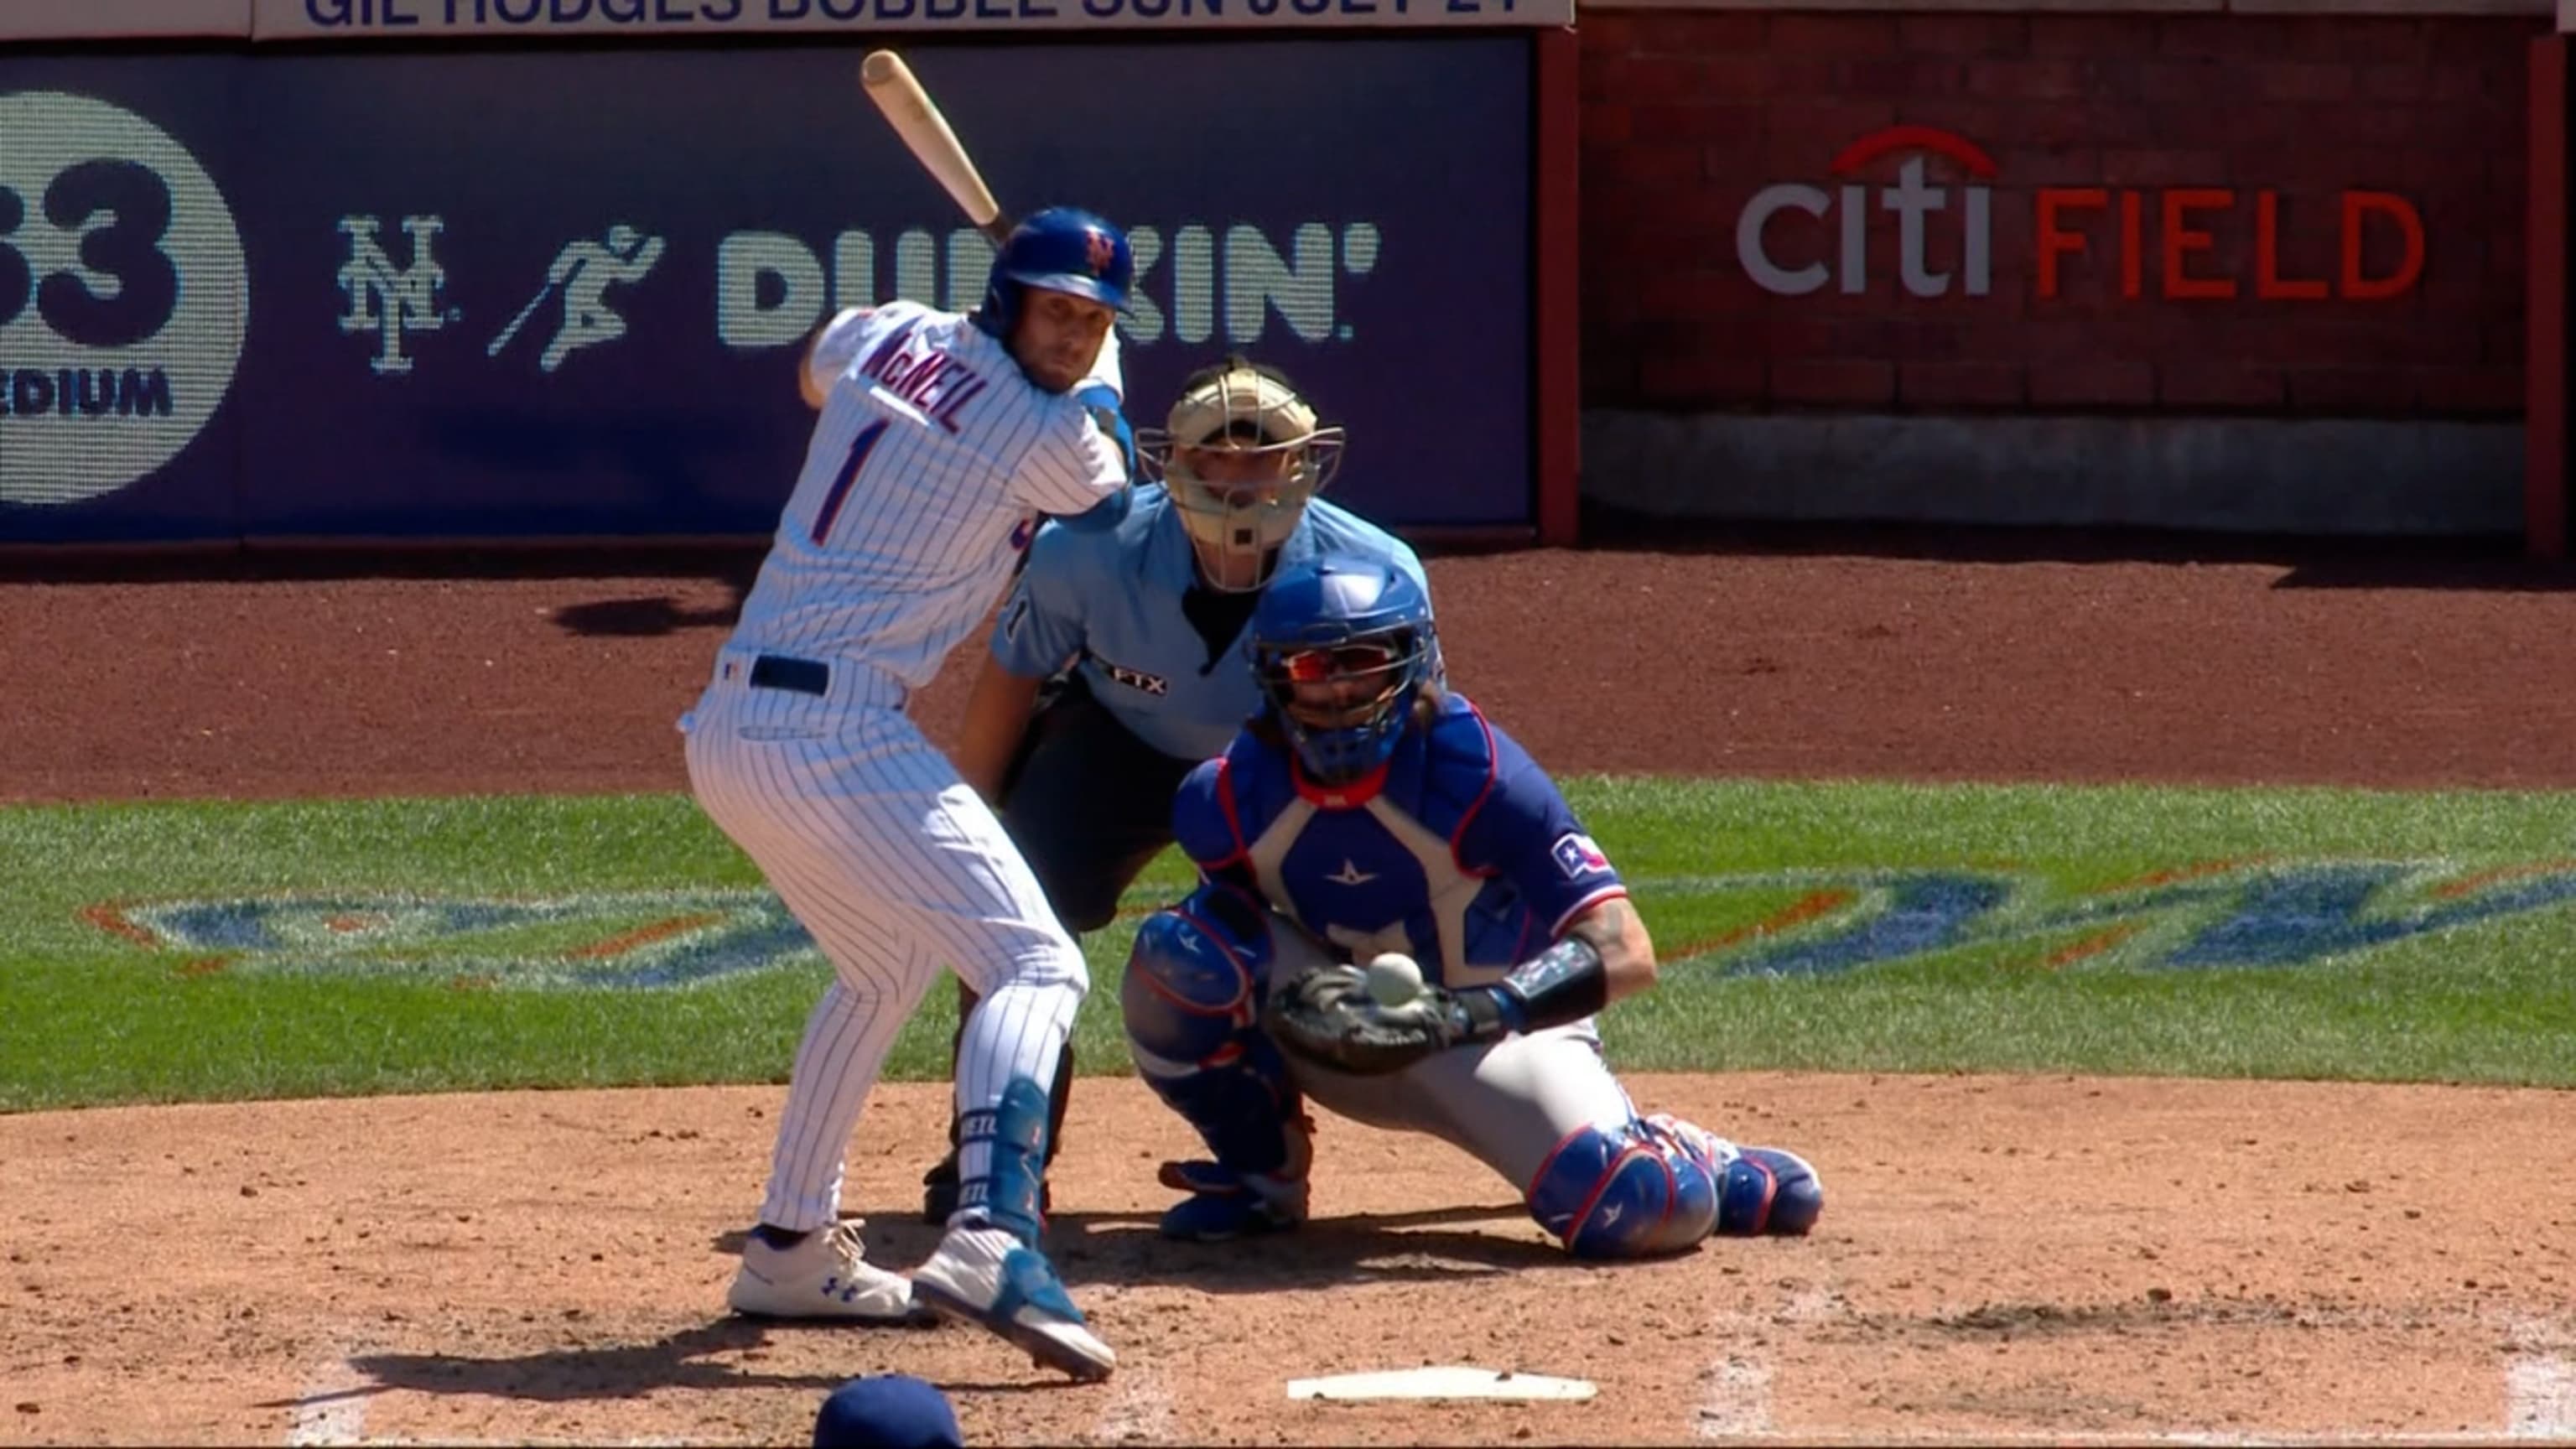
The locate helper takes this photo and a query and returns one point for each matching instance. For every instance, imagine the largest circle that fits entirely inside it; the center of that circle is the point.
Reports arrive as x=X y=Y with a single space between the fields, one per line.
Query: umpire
x=1116 y=664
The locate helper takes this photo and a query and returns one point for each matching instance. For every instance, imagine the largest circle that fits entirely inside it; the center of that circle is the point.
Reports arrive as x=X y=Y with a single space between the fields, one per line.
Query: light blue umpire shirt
x=1111 y=598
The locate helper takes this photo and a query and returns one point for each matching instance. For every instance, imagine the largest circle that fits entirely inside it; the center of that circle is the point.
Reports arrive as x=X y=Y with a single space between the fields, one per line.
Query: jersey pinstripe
x=931 y=458
x=927 y=468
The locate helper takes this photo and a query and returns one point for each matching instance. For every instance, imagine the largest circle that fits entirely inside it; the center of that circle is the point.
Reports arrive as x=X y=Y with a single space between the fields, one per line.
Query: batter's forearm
x=997 y=715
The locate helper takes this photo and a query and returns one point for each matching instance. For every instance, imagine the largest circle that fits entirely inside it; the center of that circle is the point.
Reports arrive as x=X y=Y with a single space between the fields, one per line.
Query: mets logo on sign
x=123 y=297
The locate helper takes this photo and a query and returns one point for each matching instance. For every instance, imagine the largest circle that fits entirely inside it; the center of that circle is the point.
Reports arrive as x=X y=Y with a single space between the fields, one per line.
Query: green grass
x=2357 y=935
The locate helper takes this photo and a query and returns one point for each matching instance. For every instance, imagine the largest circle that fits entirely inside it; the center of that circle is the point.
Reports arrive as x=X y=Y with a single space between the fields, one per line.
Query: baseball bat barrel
x=916 y=118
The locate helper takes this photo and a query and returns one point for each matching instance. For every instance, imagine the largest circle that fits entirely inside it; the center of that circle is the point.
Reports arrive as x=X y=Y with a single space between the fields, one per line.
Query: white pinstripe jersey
x=931 y=460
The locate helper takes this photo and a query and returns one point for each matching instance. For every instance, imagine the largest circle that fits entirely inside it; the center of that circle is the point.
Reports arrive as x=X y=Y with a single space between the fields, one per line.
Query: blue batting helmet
x=1060 y=249
x=1342 y=647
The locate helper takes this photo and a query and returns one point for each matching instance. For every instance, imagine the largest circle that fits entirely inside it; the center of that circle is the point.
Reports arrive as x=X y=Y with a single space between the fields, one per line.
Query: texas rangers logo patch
x=1578 y=857
x=1136 y=678
x=1101 y=252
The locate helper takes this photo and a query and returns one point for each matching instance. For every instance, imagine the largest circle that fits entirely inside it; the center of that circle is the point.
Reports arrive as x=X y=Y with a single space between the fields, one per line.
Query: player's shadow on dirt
x=1414 y=1247
x=684 y=1360
x=1125 y=1249
x=641 y=617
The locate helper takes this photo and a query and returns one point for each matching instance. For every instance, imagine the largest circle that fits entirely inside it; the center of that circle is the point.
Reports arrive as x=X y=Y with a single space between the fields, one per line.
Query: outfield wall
x=418 y=270
x=2187 y=263
x=2242 y=266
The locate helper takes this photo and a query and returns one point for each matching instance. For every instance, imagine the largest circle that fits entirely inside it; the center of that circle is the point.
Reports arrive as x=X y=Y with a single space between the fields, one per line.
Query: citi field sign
x=2160 y=241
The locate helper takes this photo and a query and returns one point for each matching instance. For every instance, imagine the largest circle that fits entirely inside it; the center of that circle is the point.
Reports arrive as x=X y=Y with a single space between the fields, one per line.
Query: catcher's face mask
x=1343 y=705
x=1241 y=454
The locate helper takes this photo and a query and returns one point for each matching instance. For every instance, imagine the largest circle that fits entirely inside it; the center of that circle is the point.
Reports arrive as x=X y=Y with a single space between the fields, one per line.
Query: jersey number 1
x=860 y=447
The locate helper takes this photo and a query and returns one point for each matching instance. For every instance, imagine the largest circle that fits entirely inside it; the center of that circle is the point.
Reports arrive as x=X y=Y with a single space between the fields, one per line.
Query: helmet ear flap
x=1000 y=314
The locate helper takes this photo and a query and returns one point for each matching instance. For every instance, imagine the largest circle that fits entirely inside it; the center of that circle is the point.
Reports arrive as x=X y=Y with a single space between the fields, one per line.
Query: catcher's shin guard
x=1191 y=1003
x=1624 y=1192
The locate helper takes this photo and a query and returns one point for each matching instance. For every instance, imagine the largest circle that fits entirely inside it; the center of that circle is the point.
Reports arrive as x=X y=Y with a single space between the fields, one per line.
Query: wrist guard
x=1562 y=984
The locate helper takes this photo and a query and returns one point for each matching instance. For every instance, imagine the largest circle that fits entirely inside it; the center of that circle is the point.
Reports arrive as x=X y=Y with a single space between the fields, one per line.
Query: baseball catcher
x=1366 y=810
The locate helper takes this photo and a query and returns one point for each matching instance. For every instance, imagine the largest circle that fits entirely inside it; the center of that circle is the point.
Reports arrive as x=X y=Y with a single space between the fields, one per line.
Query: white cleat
x=826 y=1274
x=988 y=1277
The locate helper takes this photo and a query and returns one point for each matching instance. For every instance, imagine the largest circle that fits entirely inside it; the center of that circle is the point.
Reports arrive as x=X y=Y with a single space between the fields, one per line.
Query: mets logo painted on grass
x=2213 y=916
x=605 y=940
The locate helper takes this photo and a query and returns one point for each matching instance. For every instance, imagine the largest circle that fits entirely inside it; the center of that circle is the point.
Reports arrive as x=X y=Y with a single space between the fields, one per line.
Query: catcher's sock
x=779 y=1237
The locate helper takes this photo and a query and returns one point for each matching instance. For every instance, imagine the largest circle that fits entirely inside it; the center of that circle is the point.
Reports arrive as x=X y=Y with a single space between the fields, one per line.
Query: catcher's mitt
x=1326 y=1016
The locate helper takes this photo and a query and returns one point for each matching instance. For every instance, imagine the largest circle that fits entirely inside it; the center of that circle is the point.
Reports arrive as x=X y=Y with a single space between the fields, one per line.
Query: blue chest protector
x=1459 y=853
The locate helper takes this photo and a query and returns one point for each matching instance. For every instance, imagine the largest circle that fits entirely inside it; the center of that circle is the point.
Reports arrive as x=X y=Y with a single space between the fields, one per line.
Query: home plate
x=1440 y=1383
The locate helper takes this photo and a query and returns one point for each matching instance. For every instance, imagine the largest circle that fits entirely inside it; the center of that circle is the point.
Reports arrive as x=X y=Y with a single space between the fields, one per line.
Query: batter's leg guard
x=1191 y=1000
x=988 y=1270
x=1760 y=1189
x=1008 y=1193
x=939 y=1184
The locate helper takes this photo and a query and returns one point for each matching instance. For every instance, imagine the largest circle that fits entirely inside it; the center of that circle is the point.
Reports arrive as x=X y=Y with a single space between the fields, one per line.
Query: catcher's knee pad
x=1624 y=1192
x=1191 y=991
x=1191 y=1003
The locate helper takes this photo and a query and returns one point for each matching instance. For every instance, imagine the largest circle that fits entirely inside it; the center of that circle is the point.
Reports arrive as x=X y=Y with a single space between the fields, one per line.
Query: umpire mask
x=1240 y=456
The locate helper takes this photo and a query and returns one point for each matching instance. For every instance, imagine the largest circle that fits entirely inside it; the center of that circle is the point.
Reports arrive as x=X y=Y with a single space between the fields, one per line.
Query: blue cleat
x=1767 y=1190
x=986 y=1276
x=1224 y=1205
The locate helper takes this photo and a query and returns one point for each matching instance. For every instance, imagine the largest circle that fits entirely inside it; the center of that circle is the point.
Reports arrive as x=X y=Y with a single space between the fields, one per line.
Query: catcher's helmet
x=1060 y=249
x=1342 y=646
x=1240 y=454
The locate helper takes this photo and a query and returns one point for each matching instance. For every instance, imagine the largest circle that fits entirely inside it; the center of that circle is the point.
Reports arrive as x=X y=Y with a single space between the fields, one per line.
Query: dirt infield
x=2057 y=1259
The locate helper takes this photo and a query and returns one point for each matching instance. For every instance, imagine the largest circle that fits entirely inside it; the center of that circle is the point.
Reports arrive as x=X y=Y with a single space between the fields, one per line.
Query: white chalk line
x=1737 y=1402
x=333 y=1407
x=332 y=1411
x=2539 y=1396
x=2090 y=1440
x=519 y=1441
x=2540 y=1380
x=1140 y=1411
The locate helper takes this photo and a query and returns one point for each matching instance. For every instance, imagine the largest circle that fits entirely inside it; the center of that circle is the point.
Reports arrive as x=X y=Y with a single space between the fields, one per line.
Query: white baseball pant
x=898 y=870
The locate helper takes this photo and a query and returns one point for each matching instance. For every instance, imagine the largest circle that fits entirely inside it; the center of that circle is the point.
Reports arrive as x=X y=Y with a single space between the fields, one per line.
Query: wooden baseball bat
x=916 y=118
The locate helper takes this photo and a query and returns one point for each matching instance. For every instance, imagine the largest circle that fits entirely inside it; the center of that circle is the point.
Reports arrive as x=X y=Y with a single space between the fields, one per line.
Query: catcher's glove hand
x=1327 y=1016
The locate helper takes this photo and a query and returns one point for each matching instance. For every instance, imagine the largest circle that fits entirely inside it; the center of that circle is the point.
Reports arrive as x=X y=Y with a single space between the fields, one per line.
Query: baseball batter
x=1117 y=663
x=1369 y=810
x=941 y=439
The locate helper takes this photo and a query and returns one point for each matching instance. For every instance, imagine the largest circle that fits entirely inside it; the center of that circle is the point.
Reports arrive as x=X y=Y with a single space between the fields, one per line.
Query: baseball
x=1394 y=979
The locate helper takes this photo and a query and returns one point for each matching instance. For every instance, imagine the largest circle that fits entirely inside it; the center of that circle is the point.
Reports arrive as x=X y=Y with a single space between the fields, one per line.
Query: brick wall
x=2262 y=140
